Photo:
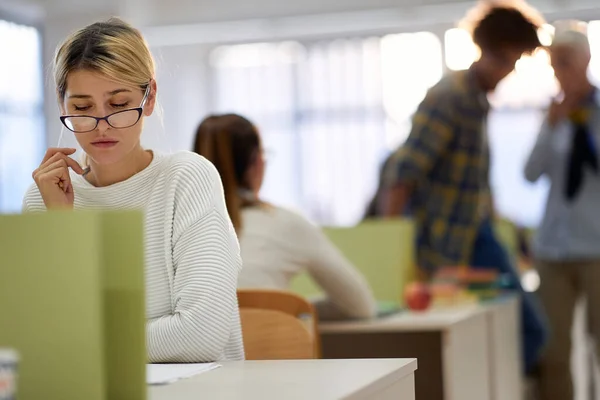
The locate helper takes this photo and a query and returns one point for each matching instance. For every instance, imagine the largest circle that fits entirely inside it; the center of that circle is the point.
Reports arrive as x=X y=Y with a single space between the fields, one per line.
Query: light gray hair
x=573 y=36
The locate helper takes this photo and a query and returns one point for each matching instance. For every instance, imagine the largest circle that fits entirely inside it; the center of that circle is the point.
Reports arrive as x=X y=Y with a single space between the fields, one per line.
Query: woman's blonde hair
x=112 y=48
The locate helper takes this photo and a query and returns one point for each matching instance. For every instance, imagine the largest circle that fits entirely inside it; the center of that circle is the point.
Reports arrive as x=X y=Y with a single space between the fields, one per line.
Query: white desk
x=382 y=379
x=406 y=321
x=504 y=333
x=472 y=352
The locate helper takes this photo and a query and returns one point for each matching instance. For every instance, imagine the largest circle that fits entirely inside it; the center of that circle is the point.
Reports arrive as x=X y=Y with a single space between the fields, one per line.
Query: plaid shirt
x=446 y=160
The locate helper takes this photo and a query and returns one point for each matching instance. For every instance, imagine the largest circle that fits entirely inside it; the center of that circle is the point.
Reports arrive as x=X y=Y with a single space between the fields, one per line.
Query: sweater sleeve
x=348 y=294
x=206 y=263
x=32 y=201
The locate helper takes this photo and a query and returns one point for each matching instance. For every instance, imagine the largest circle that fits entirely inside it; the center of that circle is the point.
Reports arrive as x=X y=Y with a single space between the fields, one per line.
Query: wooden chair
x=278 y=325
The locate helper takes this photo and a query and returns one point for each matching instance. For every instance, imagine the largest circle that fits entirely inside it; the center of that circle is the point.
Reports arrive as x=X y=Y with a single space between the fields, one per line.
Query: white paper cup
x=9 y=362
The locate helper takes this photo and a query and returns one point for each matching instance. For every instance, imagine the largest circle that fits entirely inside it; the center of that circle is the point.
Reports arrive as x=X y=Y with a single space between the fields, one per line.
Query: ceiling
x=176 y=12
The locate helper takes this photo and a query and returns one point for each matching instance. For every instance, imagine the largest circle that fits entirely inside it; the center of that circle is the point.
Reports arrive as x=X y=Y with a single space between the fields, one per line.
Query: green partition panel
x=124 y=305
x=51 y=304
x=383 y=250
x=71 y=304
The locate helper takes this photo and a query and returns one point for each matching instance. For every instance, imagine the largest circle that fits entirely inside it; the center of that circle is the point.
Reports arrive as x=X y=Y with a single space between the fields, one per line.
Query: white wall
x=183 y=87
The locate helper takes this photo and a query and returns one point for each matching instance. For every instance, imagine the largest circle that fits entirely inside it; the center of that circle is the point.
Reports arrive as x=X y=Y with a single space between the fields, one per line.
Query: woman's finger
x=74 y=165
x=61 y=156
x=53 y=150
x=57 y=173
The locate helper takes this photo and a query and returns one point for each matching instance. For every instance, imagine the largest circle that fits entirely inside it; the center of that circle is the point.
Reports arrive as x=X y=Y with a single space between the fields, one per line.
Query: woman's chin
x=105 y=157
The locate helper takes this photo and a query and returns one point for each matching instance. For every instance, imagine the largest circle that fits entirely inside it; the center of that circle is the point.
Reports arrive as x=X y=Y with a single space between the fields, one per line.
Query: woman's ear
x=151 y=102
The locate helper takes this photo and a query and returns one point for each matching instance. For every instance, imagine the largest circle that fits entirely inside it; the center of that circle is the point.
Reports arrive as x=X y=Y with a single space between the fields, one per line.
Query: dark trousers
x=489 y=253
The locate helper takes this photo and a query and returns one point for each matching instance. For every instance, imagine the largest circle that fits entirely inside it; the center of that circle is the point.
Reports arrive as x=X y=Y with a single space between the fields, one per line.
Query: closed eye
x=77 y=108
x=122 y=105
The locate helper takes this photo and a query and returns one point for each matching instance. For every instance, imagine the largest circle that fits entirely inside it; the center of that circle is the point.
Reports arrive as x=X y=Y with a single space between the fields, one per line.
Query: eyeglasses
x=118 y=120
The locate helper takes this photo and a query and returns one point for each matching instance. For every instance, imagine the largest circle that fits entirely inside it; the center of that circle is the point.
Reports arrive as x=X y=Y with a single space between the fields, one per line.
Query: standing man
x=442 y=170
x=567 y=245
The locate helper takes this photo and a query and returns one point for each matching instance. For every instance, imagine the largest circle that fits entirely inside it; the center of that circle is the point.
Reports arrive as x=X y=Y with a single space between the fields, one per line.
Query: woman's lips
x=105 y=144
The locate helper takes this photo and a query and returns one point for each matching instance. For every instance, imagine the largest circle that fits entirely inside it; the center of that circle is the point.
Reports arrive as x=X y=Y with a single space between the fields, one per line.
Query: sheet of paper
x=163 y=374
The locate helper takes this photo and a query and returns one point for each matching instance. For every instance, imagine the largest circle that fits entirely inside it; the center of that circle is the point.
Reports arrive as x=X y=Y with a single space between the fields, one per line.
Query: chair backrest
x=274 y=335
x=276 y=302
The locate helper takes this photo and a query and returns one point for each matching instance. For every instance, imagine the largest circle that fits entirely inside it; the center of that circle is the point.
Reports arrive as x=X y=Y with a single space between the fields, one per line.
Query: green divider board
x=383 y=250
x=124 y=305
x=72 y=304
x=51 y=304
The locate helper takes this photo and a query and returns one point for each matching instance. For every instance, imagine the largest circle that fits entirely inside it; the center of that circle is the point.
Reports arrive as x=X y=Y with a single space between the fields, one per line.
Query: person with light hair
x=566 y=246
x=106 y=87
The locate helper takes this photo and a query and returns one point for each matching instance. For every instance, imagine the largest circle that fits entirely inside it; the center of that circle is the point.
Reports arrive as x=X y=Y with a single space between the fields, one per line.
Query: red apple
x=417 y=296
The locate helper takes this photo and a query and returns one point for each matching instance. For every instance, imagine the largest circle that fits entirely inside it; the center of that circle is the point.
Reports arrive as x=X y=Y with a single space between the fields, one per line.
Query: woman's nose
x=103 y=126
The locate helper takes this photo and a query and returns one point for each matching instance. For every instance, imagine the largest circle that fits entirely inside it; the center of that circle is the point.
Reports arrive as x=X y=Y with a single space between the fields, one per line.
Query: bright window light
x=545 y=34
x=531 y=85
x=461 y=52
x=256 y=55
x=406 y=79
x=21 y=112
x=594 y=38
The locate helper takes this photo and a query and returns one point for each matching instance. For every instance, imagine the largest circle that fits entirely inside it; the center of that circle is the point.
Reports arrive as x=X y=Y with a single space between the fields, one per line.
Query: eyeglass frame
x=139 y=109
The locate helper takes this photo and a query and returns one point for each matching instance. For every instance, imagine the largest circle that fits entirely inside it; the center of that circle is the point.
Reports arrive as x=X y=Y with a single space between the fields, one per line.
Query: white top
x=278 y=244
x=192 y=255
x=300 y=379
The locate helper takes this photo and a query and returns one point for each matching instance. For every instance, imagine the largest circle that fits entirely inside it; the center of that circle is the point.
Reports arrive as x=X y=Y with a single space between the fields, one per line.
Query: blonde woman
x=105 y=83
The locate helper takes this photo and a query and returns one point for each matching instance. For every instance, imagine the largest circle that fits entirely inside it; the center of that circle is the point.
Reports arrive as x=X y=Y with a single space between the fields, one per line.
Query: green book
x=72 y=304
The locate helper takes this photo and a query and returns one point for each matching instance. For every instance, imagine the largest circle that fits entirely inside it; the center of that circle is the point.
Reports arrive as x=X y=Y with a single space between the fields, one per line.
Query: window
x=21 y=112
x=461 y=52
x=594 y=37
x=329 y=112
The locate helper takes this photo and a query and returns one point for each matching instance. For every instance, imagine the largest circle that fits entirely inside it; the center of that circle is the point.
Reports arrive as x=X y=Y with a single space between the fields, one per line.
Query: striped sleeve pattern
x=204 y=325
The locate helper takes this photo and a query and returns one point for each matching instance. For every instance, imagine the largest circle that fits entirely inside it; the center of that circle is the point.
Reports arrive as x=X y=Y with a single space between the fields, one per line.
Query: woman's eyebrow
x=117 y=91
x=79 y=96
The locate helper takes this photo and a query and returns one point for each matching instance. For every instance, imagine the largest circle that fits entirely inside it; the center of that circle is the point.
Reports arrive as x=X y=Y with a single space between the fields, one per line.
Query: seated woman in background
x=277 y=244
x=105 y=83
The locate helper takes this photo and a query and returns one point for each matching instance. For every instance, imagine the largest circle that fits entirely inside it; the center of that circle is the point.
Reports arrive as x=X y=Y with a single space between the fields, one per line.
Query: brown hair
x=503 y=24
x=231 y=143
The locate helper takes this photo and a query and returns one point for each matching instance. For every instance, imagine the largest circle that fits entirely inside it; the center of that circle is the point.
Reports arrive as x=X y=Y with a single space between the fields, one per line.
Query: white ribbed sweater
x=277 y=245
x=192 y=255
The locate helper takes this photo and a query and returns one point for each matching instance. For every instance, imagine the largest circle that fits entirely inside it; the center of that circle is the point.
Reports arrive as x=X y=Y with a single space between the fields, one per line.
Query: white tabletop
x=306 y=379
x=406 y=321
